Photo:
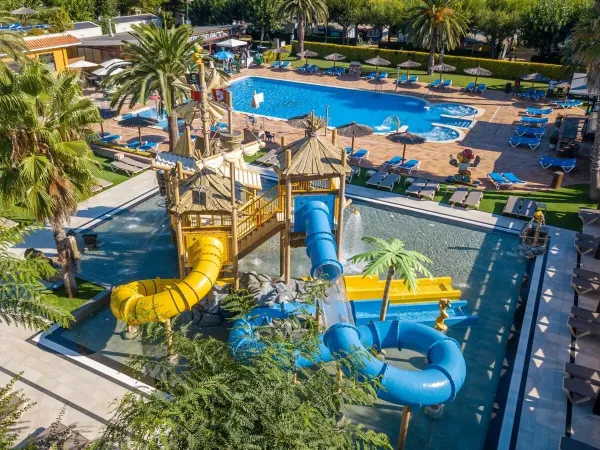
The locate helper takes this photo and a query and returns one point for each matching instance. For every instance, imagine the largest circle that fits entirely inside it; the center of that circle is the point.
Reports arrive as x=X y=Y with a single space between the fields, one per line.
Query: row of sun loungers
x=533 y=94
x=505 y=180
x=568 y=104
x=281 y=65
x=404 y=79
x=376 y=76
x=423 y=188
x=475 y=88
x=397 y=164
x=467 y=198
x=129 y=165
x=384 y=180
x=530 y=130
x=520 y=207
x=437 y=83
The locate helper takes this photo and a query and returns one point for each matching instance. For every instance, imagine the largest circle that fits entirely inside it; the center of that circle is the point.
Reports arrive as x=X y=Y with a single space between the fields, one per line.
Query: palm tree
x=305 y=11
x=395 y=258
x=586 y=51
x=46 y=164
x=157 y=63
x=434 y=21
x=12 y=45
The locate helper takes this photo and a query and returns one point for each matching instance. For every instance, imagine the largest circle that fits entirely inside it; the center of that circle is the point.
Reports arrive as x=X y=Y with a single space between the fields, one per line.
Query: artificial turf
x=87 y=290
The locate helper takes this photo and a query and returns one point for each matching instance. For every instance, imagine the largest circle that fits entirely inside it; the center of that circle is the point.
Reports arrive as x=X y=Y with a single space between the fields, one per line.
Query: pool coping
x=428 y=104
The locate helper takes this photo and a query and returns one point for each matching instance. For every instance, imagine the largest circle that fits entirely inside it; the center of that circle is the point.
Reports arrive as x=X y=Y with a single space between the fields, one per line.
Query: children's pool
x=152 y=113
x=484 y=265
x=285 y=99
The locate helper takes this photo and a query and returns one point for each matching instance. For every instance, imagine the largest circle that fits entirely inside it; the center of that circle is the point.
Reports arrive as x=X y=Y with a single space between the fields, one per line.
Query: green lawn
x=563 y=204
x=258 y=154
x=87 y=290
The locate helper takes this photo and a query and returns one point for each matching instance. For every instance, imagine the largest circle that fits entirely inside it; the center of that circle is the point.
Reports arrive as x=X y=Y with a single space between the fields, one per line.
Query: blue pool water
x=152 y=113
x=285 y=99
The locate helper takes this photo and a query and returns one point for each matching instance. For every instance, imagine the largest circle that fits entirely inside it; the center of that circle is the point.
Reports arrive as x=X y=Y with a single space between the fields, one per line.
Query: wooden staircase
x=261 y=234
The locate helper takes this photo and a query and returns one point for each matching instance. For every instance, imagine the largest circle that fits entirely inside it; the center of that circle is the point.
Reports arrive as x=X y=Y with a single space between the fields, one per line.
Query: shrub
x=508 y=70
x=394 y=45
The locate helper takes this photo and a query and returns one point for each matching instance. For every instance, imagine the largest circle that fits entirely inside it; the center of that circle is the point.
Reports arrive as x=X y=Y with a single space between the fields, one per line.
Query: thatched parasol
x=406 y=138
x=441 y=68
x=478 y=72
x=407 y=65
x=535 y=78
x=307 y=54
x=354 y=130
x=378 y=61
x=23 y=12
x=335 y=57
x=138 y=122
x=279 y=51
x=298 y=121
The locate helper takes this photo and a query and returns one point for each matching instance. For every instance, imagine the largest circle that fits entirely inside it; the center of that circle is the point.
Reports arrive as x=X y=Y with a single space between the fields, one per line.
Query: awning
x=231 y=43
x=579 y=86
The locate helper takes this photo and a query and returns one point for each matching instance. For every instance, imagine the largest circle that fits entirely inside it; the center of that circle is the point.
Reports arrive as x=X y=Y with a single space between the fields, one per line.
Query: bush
x=394 y=45
x=508 y=70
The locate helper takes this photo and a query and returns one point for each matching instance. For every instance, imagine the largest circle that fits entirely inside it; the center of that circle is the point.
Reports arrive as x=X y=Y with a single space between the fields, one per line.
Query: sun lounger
x=470 y=87
x=567 y=443
x=264 y=159
x=135 y=163
x=382 y=76
x=100 y=184
x=538 y=95
x=535 y=121
x=579 y=391
x=390 y=181
x=585 y=247
x=429 y=190
x=371 y=76
x=129 y=170
x=499 y=181
x=473 y=199
x=589 y=216
x=523 y=130
x=303 y=67
x=331 y=71
x=528 y=208
x=359 y=155
x=481 y=88
x=410 y=165
x=538 y=111
x=413 y=80
x=392 y=163
x=135 y=144
x=148 y=147
x=285 y=65
x=276 y=65
x=513 y=206
x=435 y=83
x=339 y=71
x=585 y=314
x=377 y=178
x=109 y=138
x=446 y=84
x=580 y=328
x=353 y=172
x=586 y=237
x=416 y=186
x=566 y=164
x=459 y=195
x=312 y=69
x=512 y=178
x=569 y=104
x=585 y=281
x=403 y=79
x=531 y=142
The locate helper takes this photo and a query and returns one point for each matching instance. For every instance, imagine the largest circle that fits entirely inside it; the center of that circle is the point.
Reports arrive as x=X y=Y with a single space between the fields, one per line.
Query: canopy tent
x=441 y=68
x=477 y=72
x=231 y=43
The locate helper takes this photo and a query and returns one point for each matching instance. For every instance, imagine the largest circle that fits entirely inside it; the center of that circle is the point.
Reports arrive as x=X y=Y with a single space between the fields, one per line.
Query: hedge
x=394 y=45
x=508 y=70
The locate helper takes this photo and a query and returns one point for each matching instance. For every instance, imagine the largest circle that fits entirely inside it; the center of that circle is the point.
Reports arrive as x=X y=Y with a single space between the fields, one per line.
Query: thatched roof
x=312 y=156
x=217 y=189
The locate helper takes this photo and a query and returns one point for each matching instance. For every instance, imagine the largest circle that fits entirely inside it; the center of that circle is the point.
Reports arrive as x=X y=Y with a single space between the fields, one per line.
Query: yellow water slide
x=160 y=299
x=429 y=289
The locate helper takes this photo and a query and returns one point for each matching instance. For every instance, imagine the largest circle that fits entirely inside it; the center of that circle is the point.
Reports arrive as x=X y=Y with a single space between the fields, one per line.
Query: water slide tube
x=159 y=299
x=438 y=383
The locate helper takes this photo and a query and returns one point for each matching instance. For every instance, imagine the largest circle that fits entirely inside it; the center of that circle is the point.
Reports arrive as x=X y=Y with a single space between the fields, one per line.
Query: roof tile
x=35 y=43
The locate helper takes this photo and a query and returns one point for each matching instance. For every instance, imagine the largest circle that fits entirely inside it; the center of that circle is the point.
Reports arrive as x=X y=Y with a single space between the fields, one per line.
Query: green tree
x=58 y=19
x=384 y=14
x=435 y=23
x=586 y=51
x=46 y=164
x=11 y=45
x=498 y=19
x=78 y=10
x=106 y=8
x=346 y=13
x=265 y=15
x=393 y=257
x=547 y=23
x=305 y=11
x=159 y=60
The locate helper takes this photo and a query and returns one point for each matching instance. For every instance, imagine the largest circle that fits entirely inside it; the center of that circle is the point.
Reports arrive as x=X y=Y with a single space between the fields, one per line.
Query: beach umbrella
x=110 y=62
x=279 y=51
x=378 y=61
x=477 y=72
x=232 y=43
x=535 y=78
x=307 y=54
x=298 y=121
x=83 y=64
x=354 y=130
x=23 y=12
x=408 y=65
x=406 y=138
x=441 y=68
x=223 y=55
x=335 y=57
x=138 y=122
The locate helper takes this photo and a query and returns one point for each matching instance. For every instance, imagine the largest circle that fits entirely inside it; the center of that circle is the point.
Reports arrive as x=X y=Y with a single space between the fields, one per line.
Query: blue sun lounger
x=446 y=84
x=382 y=76
x=285 y=65
x=148 y=146
x=569 y=104
x=303 y=67
x=331 y=71
x=566 y=164
x=515 y=180
x=410 y=165
x=108 y=138
x=371 y=76
x=339 y=71
x=136 y=144
x=413 y=80
x=360 y=155
x=392 y=163
x=499 y=181
x=531 y=142
x=523 y=130
x=312 y=69
x=435 y=83
x=480 y=89
x=538 y=111
x=469 y=87
x=403 y=79
x=539 y=121
x=526 y=94
x=276 y=65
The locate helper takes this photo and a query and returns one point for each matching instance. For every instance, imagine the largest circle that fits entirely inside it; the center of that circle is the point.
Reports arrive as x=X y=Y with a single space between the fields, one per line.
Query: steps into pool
x=458 y=122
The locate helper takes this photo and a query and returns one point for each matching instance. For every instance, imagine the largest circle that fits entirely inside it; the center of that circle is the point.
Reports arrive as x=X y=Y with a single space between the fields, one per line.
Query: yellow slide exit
x=160 y=299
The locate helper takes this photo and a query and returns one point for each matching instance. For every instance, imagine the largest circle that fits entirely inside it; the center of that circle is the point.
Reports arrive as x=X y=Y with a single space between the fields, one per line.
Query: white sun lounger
x=135 y=163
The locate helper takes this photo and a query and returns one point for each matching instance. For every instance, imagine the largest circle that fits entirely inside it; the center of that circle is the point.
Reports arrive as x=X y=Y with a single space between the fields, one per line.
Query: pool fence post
x=230 y=111
x=404 y=427
x=288 y=218
x=234 y=231
x=341 y=202
x=326 y=118
x=334 y=136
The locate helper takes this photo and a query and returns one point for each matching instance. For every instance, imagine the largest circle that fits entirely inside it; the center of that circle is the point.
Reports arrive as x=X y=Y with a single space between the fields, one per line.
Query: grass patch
x=258 y=154
x=563 y=204
x=107 y=173
x=87 y=290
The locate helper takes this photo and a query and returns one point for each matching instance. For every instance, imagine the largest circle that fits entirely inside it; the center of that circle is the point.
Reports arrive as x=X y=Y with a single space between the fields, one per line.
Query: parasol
x=406 y=138
x=307 y=54
x=535 y=78
x=279 y=51
x=354 y=130
x=441 y=68
x=138 y=122
x=335 y=57
x=298 y=121
x=223 y=55
x=477 y=72
x=83 y=64
x=378 y=61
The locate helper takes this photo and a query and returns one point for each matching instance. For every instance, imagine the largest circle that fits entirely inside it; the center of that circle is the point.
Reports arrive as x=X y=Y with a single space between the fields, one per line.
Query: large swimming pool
x=285 y=99
x=484 y=265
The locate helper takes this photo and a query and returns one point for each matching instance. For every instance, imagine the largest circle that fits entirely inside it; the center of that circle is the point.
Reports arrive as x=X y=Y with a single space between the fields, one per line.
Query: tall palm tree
x=586 y=51
x=304 y=11
x=434 y=21
x=157 y=62
x=46 y=164
x=396 y=259
x=12 y=45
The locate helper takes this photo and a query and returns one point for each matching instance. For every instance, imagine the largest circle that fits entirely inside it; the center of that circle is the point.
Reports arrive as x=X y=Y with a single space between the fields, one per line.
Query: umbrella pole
x=352 y=151
x=475 y=81
x=397 y=78
x=441 y=77
x=140 y=135
x=404 y=154
x=102 y=128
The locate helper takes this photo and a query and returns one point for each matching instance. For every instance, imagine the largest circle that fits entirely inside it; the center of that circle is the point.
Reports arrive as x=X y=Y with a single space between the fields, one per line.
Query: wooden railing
x=312 y=186
x=259 y=211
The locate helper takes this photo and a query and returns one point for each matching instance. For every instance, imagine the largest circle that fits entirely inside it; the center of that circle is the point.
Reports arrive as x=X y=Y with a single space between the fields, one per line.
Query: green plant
x=11 y=45
x=46 y=164
x=158 y=60
x=305 y=11
x=396 y=259
x=12 y=406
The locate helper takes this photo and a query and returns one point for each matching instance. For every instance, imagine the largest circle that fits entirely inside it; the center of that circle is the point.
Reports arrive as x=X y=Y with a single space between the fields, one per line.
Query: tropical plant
x=12 y=45
x=397 y=260
x=157 y=62
x=586 y=51
x=265 y=15
x=433 y=24
x=305 y=11
x=46 y=164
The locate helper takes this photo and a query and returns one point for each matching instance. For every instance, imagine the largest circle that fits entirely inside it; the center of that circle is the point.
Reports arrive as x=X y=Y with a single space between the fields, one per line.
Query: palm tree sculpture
x=434 y=23
x=157 y=62
x=46 y=164
x=586 y=51
x=305 y=11
x=396 y=259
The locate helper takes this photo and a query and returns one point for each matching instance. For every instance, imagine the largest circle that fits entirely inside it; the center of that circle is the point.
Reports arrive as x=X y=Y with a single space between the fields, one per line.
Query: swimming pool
x=152 y=113
x=285 y=99
x=484 y=265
